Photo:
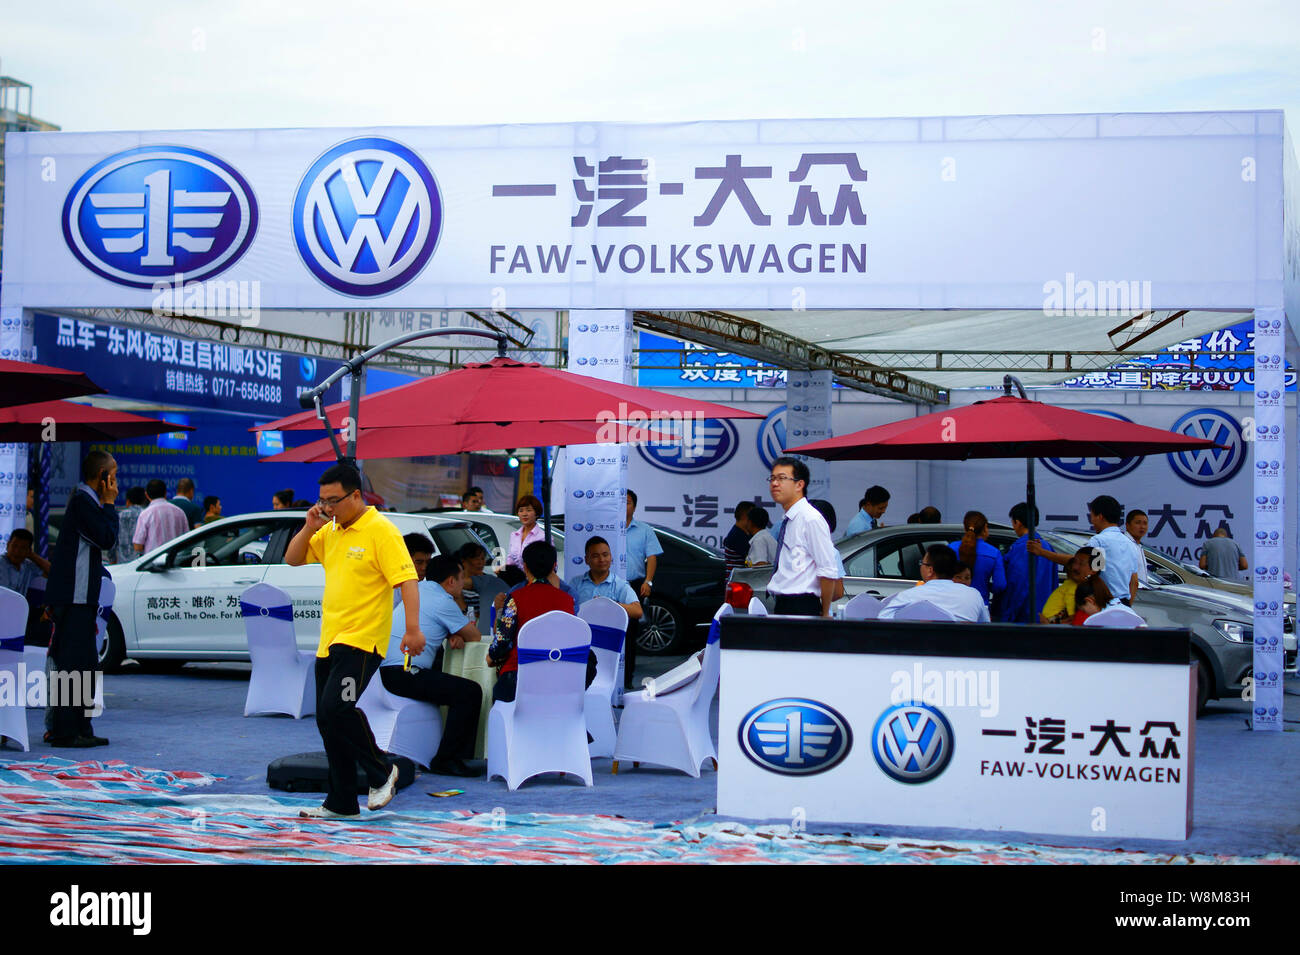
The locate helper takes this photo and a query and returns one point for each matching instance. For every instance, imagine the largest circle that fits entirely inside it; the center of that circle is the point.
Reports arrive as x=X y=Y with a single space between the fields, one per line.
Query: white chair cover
x=608 y=622
x=673 y=730
x=756 y=607
x=13 y=627
x=283 y=678
x=544 y=729
x=402 y=726
x=863 y=607
x=1117 y=616
x=923 y=610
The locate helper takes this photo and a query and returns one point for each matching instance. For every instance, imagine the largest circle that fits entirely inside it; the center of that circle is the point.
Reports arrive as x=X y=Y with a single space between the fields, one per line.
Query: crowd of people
x=808 y=572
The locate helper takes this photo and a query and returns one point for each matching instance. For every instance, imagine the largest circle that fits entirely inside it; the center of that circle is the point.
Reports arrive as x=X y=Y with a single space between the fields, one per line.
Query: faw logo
x=1210 y=466
x=367 y=217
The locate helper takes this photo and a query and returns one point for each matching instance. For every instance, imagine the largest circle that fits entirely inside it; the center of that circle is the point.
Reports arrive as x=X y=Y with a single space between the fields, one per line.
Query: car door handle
x=246 y=580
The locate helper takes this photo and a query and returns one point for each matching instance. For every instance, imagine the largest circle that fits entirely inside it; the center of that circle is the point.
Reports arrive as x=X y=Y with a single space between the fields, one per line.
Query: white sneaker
x=381 y=797
x=320 y=812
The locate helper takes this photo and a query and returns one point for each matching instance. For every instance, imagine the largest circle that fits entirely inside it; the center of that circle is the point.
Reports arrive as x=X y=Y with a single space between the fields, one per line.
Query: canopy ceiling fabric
x=992 y=333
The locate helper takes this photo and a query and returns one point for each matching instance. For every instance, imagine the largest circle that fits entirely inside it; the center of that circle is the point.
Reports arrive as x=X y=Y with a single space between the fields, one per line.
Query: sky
x=260 y=63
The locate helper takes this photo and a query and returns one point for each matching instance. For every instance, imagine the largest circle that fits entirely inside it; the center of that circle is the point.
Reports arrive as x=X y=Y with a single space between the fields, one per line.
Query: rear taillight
x=739 y=595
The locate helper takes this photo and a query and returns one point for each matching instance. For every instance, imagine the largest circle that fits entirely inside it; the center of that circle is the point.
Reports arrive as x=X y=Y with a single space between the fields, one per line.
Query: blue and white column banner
x=600 y=345
x=1270 y=539
x=808 y=419
x=15 y=345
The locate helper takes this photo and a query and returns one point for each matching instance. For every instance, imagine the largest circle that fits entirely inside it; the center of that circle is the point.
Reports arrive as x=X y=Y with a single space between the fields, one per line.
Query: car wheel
x=662 y=628
x=114 y=651
x=1202 y=684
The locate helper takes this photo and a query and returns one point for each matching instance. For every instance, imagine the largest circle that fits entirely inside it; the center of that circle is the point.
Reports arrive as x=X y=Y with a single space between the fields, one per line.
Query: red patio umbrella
x=504 y=390
x=385 y=442
x=68 y=421
x=22 y=382
x=1005 y=427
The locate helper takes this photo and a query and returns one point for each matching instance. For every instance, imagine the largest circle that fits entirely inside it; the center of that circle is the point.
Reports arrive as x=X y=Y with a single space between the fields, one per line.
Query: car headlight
x=1235 y=631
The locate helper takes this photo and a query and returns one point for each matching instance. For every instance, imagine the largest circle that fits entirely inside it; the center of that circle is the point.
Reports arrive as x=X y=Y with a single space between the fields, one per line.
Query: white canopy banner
x=1179 y=210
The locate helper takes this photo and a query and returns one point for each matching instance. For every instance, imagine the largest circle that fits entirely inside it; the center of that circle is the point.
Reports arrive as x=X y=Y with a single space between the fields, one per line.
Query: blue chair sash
x=715 y=631
x=13 y=644
x=283 y=612
x=606 y=638
x=565 y=655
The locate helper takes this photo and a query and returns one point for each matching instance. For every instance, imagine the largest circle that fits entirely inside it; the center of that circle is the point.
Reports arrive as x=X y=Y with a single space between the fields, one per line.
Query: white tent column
x=15 y=345
x=600 y=345
x=808 y=419
x=1269 y=552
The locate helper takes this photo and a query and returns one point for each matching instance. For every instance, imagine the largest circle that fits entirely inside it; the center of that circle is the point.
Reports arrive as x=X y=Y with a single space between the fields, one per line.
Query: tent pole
x=1033 y=509
x=546 y=491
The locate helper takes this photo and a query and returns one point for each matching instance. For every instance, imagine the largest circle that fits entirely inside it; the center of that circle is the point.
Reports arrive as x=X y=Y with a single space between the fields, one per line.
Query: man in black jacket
x=89 y=529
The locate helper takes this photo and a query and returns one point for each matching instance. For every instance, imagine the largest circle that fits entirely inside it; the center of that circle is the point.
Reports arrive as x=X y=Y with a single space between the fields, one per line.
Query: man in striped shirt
x=735 y=546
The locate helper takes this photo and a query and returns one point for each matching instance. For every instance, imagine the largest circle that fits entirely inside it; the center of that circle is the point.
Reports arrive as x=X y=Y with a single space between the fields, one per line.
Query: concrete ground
x=1244 y=800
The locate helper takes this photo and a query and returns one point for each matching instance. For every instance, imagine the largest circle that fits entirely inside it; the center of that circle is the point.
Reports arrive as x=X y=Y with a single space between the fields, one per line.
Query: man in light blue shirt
x=440 y=618
x=599 y=582
x=871 y=509
x=1121 y=567
x=643 y=550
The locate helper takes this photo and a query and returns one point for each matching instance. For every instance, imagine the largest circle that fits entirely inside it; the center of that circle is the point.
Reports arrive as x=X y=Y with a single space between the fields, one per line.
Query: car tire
x=114 y=652
x=662 y=630
x=1202 y=683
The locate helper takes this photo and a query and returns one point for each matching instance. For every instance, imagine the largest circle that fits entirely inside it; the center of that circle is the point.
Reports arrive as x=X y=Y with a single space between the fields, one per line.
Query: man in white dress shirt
x=937 y=587
x=805 y=568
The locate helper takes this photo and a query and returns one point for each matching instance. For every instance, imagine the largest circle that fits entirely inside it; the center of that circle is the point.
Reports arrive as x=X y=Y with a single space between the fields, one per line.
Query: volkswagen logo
x=705 y=446
x=771 y=437
x=1093 y=469
x=912 y=742
x=148 y=214
x=795 y=737
x=1209 y=467
x=367 y=217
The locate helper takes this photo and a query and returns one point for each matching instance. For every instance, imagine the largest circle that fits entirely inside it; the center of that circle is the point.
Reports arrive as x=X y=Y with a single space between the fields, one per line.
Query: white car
x=494 y=529
x=180 y=602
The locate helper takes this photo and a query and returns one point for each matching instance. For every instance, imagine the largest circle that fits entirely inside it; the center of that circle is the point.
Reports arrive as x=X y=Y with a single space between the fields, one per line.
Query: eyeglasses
x=778 y=478
x=926 y=563
x=334 y=501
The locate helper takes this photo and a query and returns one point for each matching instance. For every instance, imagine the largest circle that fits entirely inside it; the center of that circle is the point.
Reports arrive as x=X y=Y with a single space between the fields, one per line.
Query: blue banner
x=1219 y=361
x=149 y=366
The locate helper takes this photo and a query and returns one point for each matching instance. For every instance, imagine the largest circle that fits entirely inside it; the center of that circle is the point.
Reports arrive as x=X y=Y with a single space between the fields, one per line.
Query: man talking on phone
x=364 y=558
x=89 y=529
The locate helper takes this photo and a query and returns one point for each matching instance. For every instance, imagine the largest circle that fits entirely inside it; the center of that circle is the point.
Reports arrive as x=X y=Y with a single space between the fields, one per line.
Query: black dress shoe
x=78 y=742
x=454 y=767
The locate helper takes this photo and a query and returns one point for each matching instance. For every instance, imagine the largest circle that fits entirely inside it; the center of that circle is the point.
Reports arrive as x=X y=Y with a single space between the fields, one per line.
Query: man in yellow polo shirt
x=364 y=558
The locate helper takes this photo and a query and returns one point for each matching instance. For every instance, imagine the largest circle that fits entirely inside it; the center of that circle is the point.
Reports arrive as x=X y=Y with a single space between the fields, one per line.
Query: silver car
x=886 y=561
x=180 y=602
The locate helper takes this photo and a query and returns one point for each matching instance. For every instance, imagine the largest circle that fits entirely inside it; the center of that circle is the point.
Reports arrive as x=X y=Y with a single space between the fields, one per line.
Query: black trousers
x=76 y=668
x=799 y=605
x=341 y=678
x=462 y=697
x=633 y=631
